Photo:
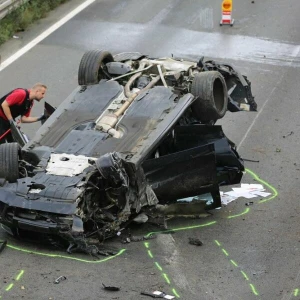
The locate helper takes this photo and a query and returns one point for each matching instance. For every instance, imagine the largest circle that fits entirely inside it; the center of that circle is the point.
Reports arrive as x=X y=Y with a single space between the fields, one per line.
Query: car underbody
x=134 y=138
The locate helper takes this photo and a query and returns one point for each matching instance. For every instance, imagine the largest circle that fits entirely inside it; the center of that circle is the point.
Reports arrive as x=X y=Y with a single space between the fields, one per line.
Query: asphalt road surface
x=248 y=252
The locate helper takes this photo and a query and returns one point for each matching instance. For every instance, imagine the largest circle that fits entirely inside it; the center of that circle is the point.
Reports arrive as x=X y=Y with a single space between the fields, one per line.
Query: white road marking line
x=259 y=113
x=295 y=53
x=46 y=33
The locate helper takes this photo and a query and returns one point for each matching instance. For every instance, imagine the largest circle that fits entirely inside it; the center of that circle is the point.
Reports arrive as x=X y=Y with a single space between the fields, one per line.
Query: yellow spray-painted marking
x=182 y=228
x=245 y=275
x=218 y=243
x=238 y=215
x=158 y=266
x=253 y=289
x=11 y=285
x=167 y=278
x=256 y=177
x=175 y=293
x=19 y=276
x=176 y=229
x=225 y=252
x=247 y=210
x=67 y=257
x=275 y=194
x=234 y=263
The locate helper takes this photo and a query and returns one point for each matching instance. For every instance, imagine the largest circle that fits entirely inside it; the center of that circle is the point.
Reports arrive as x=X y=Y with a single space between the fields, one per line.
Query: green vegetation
x=20 y=18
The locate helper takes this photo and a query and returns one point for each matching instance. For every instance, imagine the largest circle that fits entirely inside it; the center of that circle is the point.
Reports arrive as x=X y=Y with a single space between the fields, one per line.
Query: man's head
x=37 y=92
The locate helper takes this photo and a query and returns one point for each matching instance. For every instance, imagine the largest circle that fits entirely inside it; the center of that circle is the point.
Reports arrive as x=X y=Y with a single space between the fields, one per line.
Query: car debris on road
x=195 y=241
x=158 y=294
x=59 y=279
x=111 y=288
x=138 y=134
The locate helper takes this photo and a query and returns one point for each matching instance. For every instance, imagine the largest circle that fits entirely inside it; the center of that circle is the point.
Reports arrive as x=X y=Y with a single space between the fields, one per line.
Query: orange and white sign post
x=226 y=13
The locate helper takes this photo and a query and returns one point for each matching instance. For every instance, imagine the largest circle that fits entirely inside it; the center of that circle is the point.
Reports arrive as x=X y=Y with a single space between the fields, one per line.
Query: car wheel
x=210 y=89
x=9 y=161
x=91 y=66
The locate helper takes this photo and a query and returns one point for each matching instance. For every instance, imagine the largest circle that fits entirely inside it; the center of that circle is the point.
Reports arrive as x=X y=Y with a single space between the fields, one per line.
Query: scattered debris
x=130 y=238
x=141 y=218
x=126 y=240
x=142 y=238
x=151 y=295
x=45 y=275
x=158 y=294
x=15 y=37
x=278 y=150
x=111 y=288
x=195 y=242
x=249 y=203
x=252 y=1
x=246 y=190
x=292 y=132
x=2 y=245
x=250 y=160
x=59 y=279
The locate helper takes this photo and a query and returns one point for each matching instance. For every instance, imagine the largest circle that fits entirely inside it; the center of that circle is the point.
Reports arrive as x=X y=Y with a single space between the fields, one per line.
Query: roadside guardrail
x=7 y=6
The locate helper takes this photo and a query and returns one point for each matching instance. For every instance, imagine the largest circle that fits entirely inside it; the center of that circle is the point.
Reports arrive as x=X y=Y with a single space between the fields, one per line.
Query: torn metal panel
x=184 y=173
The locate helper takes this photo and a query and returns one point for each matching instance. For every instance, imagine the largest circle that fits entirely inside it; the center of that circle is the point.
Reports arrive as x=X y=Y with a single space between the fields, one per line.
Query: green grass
x=22 y=17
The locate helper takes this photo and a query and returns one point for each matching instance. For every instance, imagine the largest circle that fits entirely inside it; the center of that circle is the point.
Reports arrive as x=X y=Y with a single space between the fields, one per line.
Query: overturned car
x=137 y=134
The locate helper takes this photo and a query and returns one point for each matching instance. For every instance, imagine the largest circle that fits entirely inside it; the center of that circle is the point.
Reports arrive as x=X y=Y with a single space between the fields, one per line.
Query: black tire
x=90 y=68
x=212 y=97
x=9 y=161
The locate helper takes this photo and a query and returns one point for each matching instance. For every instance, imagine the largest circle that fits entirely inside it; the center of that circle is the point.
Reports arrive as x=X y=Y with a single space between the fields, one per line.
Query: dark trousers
x=4 y=126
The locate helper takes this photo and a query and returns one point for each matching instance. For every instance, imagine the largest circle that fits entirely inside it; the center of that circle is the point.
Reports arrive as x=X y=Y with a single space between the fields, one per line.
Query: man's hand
x=42 y=118
x=12 y=123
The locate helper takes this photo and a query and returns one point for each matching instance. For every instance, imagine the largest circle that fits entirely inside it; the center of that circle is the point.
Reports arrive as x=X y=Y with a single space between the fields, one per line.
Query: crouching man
x=17 y=103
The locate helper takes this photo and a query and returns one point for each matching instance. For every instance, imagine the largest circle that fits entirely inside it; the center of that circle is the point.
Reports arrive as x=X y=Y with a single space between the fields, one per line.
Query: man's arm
x=6 y=110
x=25 y=119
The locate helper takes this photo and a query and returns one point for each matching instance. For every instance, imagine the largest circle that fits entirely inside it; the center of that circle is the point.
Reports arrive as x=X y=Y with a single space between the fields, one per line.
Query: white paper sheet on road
x=247 y=190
